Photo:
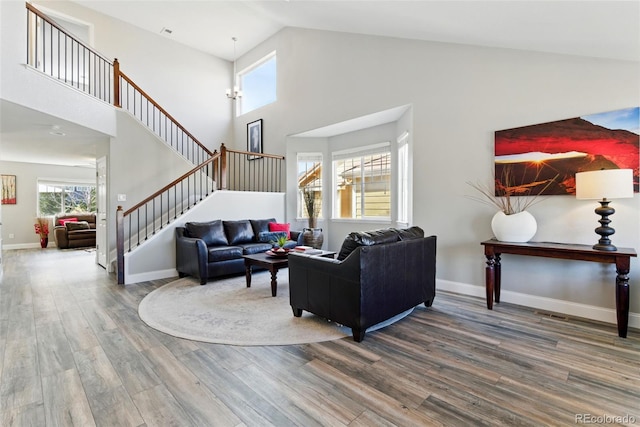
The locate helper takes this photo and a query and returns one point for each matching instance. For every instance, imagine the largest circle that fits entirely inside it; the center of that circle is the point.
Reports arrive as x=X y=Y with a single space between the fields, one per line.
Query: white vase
x=518 y=227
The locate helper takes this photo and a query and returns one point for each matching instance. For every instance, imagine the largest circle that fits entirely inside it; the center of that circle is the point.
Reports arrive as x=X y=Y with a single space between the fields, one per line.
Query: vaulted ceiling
x=605 y=29
x=608 y=29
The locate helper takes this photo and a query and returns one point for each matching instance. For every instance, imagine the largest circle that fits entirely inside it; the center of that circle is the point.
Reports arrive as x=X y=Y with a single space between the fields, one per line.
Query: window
x=362 y=180
x=258 y=84
x=403 y=179
x=56 y=198
x=309 y=184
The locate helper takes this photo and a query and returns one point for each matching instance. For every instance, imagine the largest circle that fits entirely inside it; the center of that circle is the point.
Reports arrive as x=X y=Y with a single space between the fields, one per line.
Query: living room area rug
x=225 y=311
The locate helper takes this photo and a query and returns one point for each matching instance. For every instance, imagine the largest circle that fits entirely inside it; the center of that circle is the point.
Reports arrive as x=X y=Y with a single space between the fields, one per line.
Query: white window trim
x=309 y=156
x=403 y=141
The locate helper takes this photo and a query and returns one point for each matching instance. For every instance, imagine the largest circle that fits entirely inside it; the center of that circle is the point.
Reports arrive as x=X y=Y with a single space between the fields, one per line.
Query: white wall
x=18 y=219
x=188 y=83
x=460 y=96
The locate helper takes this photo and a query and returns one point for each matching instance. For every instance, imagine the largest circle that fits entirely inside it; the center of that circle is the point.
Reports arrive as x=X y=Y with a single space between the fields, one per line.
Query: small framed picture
x=8 y=189
x=254 y=138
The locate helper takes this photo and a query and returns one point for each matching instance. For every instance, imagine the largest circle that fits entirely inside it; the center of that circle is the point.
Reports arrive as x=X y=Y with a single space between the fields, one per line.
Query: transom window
x=258 y=84
x=362 y=180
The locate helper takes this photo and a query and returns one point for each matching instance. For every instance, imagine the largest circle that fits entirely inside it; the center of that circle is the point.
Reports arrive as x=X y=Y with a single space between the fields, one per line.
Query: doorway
x=102 y=248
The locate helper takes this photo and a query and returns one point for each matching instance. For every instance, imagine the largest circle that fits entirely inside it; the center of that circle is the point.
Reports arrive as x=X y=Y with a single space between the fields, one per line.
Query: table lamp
x=603 y=185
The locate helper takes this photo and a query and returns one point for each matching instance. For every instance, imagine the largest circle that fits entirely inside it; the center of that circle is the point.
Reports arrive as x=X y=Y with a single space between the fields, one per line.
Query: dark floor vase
x=313 y=237
x=44 y=241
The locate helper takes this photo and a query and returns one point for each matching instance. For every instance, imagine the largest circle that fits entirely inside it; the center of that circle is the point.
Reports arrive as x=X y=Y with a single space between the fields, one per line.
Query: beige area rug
x=227 y=312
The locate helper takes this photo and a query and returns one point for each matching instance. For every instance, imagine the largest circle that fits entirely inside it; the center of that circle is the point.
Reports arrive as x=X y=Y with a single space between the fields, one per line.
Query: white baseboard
x=548 y=304
x=23 y=246
x=151 y=275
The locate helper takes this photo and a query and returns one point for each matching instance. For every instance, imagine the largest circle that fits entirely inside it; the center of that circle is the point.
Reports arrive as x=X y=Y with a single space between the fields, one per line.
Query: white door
x=102 y=248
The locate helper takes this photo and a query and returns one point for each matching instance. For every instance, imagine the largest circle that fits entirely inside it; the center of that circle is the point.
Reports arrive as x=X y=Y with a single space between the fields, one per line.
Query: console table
x=493 y=249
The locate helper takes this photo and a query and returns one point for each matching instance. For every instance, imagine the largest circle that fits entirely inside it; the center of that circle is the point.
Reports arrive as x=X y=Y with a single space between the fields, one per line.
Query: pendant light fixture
x=234 y=92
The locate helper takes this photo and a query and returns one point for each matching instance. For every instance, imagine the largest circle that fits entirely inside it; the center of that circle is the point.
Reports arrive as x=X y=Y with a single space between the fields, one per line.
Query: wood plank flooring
x=73 y=352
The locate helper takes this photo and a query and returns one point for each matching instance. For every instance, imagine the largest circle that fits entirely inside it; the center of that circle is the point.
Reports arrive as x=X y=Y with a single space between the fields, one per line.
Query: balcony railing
x=53 y=51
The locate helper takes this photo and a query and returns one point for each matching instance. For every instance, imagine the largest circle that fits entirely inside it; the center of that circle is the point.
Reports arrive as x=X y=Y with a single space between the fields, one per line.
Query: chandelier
x=235 y=92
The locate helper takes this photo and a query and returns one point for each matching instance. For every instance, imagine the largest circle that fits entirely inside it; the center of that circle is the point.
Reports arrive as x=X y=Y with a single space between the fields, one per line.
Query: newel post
x=223 y=167
x=120 y=245
x=116 y=83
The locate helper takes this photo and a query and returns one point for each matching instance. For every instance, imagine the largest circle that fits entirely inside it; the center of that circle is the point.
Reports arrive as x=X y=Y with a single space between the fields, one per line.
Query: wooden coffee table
x=273 y=264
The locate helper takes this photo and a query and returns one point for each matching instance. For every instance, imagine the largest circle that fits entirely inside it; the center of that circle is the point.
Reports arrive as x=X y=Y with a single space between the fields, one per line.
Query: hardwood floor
x=74 y=352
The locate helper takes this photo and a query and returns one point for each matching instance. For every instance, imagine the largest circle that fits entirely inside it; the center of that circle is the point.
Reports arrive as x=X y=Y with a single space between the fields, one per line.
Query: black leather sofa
x=377 y=275
x=211 y=249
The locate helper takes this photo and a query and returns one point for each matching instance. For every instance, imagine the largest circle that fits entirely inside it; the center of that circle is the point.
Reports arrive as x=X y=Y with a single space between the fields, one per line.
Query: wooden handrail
x=214 y=156
x=155 y=104
x=251 y=153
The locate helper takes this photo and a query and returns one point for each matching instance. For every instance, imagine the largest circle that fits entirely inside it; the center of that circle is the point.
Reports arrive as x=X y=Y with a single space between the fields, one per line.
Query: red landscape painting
x=549 y=154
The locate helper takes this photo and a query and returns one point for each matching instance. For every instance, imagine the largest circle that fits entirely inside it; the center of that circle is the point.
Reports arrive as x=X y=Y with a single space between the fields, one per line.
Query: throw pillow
x=63 y=221
x=260 y=225
x=270 y=236
x=76 y=225
x=211 y=232
x=238 y=232
x=276 y=226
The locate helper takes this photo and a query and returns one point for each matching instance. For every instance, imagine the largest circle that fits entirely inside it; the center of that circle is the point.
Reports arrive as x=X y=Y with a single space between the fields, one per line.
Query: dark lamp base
x=604 y=210
x=601 y=247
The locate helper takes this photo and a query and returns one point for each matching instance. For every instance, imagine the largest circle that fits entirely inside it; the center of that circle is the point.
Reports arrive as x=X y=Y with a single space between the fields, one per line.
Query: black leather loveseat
x=210 y=249
x=377 y=275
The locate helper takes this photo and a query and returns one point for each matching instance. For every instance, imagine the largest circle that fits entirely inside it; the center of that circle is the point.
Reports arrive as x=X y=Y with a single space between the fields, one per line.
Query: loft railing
x=55 y=52
x=248 y=171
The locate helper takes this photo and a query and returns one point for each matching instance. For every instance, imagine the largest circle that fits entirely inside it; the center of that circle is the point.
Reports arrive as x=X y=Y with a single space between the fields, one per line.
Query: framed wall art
x=8 y=189
x=544 y=158
x=254 y=138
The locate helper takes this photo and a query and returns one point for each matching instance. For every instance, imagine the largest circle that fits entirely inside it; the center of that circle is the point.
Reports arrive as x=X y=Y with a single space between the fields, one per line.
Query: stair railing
x=132 y=98
x=140 y=222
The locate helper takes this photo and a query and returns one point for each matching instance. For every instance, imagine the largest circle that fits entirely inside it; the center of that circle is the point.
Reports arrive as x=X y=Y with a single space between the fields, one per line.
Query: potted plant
x=312 y=236
x=512 y=222
x=42 y=229
x=279 y=244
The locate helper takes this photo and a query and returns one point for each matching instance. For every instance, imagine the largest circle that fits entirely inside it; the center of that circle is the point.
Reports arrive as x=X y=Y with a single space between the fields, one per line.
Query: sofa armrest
x=191 y=256
x=297 y=237
x=60 y=234
x=398 y=275
x=325 y=286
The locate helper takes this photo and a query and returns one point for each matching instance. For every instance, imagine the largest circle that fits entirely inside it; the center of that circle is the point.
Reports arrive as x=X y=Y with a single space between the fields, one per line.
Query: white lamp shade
x=605 y=184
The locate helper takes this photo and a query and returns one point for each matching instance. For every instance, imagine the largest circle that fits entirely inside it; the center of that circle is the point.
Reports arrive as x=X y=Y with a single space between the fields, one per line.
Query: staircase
x=55 y=52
